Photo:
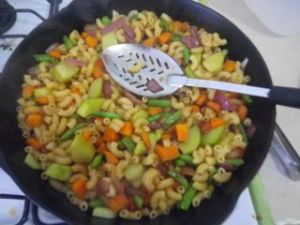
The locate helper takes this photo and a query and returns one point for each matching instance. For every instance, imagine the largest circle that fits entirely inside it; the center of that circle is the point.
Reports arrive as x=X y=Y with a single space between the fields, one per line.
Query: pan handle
x=285 y=154
x=285 y=96
x=54 y=7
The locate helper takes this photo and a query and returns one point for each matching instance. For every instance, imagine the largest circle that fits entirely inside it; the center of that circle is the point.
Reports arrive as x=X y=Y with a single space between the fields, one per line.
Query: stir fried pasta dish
x=124 y=155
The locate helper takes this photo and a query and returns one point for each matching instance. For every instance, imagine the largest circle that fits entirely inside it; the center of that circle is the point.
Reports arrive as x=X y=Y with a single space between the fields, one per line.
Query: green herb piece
x=138 y=201
x=43 y=58
x=68 y=43
x=106 y=20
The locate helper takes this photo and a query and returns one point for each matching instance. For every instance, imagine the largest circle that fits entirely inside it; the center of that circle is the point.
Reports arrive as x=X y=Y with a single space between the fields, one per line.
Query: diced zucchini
x=32 y=162
x=134 y=171
x=214 y=62
x=189 y=72
x=159 y=133
x=95 y=90
x=140 y=114
x=89 y=106
x=59 y=172
x=103 y=212
x=198 y=56
x=213 y=136
x=82 y=151
x=109 y=39
x=140 y=148
x=41 y=92
x=64 y=72
x=193 y=141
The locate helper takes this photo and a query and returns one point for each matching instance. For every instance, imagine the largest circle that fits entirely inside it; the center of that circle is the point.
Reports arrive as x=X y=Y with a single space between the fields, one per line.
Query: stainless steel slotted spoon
x=160 y=75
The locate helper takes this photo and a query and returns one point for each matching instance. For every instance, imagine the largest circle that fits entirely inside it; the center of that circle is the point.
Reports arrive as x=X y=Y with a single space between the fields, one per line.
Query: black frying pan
x=80 y=12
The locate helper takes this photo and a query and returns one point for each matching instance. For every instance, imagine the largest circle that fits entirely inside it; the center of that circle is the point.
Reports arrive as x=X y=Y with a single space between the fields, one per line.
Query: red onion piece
x=75 y=62
x=154 y=86
x=52 y=46
x=187 y=171
x=121 y=24
x=236 y=153
x=223 y=100
x=107 y=90
x=103 y=187
x=192 y=40
x=250 y=131
x=228 y=167
x=33 y=70
x=91 y=29
x=133 y=98
x=156 y=125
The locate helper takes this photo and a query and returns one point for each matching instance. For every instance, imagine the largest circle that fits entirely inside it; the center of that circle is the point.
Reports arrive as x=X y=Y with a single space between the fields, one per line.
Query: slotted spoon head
x=156 y=67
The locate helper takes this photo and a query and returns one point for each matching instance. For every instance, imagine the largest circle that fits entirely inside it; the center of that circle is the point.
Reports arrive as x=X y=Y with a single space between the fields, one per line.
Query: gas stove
x=17 y=19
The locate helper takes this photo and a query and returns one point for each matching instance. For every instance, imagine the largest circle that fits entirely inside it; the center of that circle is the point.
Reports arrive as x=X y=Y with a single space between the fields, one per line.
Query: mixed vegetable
x=120 y=154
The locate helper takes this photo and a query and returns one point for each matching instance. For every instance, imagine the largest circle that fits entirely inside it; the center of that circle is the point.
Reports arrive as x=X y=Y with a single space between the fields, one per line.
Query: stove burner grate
x=7 y=16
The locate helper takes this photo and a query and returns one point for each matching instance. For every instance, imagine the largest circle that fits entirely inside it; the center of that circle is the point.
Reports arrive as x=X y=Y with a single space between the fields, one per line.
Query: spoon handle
x=278 y=95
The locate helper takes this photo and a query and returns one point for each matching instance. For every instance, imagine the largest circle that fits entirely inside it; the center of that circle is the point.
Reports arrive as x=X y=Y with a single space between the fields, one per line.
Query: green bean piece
x=129 y=144
x=97 y=202
x=180 y=162
x=178 y=177
x=97 y=161
x=154 y=118
x=106 y=20
x=43 y=58
x=138 y=201
x=247 y=99
x=68 y=43
x=235 y=162
x=164 y=103
x=164 y=25
x=109 y=115
x=173 y=118
x=69 y=134
x=175 y=37
x=243 y=133
x=186 y=55
x=187 y=198
x=188 y=159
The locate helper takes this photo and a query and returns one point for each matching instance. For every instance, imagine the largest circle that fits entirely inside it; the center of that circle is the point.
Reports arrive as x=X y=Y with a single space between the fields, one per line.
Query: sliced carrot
x=127 y=129
x=102 y=147
x=181 y=131
x=86 y=134
x=229 y=66
x=195 y=108
x=118 y=202
x=98 y=70
x=91 y=41
x=146 y=139
x=110 y=135
x=34 y=120
x=214 y=106
x=43 y=100
x=165 y=37
x=201 y=100
x=75 y=90
x=150 y=42
x=27 y=91
x=111 y=158
x=167 y=153
x=34 y=143
x=216 y=122
x=79 y=188
x=154 y=110
x=166 y=136
x=205 y=127
x=243 y=112
x=55 y=53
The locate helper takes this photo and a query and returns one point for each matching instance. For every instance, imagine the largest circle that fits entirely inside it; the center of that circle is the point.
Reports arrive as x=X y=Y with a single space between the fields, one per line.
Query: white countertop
x=282 y=56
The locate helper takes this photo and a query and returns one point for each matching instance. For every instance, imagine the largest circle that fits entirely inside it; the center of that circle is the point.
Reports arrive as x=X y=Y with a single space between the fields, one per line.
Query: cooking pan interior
x=212 y=211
